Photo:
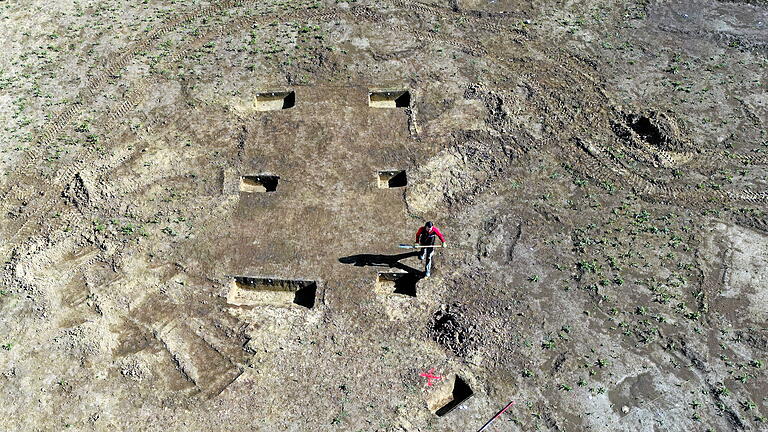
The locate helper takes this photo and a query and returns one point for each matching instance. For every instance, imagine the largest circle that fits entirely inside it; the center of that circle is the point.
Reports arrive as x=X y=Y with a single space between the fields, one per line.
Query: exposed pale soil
x=182 y=254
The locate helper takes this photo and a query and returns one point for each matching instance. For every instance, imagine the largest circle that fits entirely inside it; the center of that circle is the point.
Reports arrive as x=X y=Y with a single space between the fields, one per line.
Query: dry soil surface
x=202 y=202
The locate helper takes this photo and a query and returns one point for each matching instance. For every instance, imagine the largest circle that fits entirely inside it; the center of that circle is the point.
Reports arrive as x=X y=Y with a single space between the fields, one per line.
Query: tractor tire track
x=41 y=204
x=92 y=159
x=115 y=63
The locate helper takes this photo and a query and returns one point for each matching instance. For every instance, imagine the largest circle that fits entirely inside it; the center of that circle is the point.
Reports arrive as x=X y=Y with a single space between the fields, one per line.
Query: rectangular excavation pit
x=258 y=183
x=392 y=179
x=396 y=283
x=389 y=98
x=452 y=393
x=259 y=291
x=274 y=100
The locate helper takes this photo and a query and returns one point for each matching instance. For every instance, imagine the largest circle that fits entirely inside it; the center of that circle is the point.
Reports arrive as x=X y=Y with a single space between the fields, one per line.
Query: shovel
x=410 y=246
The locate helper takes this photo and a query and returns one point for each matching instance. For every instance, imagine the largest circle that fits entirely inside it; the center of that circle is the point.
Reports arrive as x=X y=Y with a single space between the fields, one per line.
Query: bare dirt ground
x=196 y=236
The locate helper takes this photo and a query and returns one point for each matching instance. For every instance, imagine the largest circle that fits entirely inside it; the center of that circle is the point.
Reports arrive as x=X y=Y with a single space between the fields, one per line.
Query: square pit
x=260 y=291
x=447 y=396
x=260 y=183
x=274 y=100
x=396 y=283
x=389 y=98
x=389 y=179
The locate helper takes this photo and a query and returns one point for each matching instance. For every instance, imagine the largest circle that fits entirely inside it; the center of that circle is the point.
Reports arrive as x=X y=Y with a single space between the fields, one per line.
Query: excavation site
x=384 y=216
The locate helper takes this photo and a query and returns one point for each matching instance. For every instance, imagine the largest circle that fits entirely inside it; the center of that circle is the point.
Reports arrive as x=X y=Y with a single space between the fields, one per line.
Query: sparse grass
x=631 y=267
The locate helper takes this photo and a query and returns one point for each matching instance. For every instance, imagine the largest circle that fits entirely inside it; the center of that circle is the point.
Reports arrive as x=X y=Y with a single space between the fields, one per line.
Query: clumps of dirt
x=457 y=175
x=450 y=329
x=497 y=115
x=719 y=394
x=754 y=338
x=756 y=223
x=656 y=129
x=76 y=193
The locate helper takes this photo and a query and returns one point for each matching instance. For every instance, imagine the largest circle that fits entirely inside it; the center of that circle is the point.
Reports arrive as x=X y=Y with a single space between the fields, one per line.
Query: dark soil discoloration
x=451 y=330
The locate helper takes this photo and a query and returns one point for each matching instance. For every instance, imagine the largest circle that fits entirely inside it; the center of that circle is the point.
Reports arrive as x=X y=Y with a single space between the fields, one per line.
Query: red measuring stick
x=485 y=426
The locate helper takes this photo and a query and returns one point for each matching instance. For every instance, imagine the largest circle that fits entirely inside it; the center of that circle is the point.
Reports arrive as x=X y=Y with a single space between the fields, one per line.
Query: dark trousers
x=426 y=253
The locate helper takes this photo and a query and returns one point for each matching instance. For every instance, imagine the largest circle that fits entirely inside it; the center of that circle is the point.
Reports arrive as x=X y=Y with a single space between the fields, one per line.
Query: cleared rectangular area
x=258 y=183
x=392 y=179
x=396 y=283
x=274 y=100
x=255 y=291
x=389 y=99
x=452 y=393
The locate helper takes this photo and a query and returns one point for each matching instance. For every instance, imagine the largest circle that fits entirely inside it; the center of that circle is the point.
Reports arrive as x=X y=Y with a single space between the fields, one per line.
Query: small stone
x=625 y=409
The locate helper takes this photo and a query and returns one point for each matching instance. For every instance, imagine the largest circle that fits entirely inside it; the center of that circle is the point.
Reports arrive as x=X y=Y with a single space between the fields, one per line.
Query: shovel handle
x=407 y=246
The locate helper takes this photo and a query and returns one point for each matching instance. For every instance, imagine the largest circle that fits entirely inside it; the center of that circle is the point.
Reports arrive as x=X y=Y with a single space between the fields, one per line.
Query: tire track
x=137 y=94
x=595 y=166
x=91 y=160
x=376 y=19
x=115 y=63
x=479 y=18
x=596 y=162
x=92 y=157
x=591 y=161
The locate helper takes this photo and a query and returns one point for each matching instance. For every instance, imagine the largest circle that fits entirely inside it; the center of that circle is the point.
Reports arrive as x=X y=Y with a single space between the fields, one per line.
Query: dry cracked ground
x=202 y=203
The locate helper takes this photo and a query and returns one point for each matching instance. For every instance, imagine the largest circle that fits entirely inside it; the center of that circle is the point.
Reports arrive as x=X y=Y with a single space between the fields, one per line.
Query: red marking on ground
x=429 y=376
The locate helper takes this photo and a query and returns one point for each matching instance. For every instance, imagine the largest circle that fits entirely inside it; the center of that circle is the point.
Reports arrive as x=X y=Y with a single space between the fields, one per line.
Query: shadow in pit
x=402 y=283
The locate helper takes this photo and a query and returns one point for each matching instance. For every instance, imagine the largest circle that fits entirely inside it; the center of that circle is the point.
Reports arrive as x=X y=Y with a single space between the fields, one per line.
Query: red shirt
x=434 y=230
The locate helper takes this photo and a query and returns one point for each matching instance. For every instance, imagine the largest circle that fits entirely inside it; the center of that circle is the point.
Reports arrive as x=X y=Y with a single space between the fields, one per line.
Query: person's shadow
x=405 y=284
